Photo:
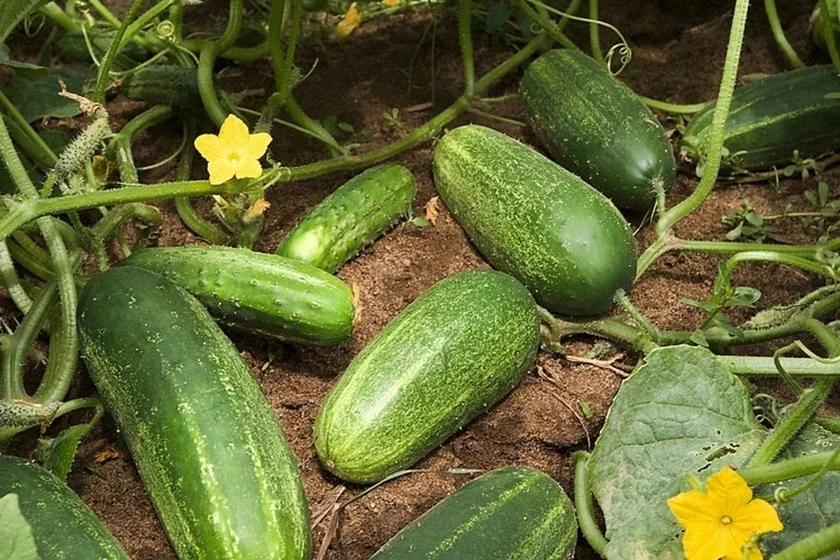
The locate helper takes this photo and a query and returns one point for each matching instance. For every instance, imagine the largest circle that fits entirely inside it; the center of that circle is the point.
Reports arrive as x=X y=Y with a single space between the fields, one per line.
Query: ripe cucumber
x=207 y=445
x=595 y=127
x=258 y=292
x=772 y=117
x=454 y=352
x=512 y=513
x=531 y=218
x=352 y=217
x=64 y=528
x=166 y=84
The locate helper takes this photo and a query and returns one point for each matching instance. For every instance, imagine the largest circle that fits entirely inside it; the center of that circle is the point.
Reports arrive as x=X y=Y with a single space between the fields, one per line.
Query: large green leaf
x=680 y=412
x=16 y=540
x=814 y=509
x=38 y=99
x=59 y=453
x=12 y=12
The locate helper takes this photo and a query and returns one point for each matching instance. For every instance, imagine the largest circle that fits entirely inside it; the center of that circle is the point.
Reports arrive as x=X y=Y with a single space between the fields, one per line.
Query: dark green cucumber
x=166 y=84
x=772 y=117
x=64 y=528
x=533 y=219
x=259 y=292
x=454 y=352
x=208 y=446
x=74 y=46
x=512 y=513
x=595 y=127
x=352 y=217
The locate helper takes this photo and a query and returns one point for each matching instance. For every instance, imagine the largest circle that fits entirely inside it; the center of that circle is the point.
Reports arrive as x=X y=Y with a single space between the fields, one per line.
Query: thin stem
x=727 y=86
x=207 y=59
x=465 y=40
x=830 y=36
x=584 y=507
x=641 y=321
x=41 y=152
x=672 y=108
x=11 y=280
x=813 y=547
x=789 y=468
x=55 y=14
x=779 y=35
x=548 y=26
x=111 y=55
x=781 y=258
x=594 y=34
x=759 y=366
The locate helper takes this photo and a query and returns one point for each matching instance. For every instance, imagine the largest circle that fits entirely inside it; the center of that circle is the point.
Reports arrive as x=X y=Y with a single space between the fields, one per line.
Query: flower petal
x=735 y=548
x=220 y=171
x=691 y=507
x=728 y=491
x=757 y=516
x=248 y=168
x=234 y=131
x=256 y=145
x=209 y=146
x=703 y=543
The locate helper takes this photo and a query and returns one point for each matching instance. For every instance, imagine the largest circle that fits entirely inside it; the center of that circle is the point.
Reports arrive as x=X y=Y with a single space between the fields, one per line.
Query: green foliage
x=23 y=69
x=16 y=540
x=724 y=295
x=747 y=224
x=12 y=12
x=38 y=99
x=58 y=454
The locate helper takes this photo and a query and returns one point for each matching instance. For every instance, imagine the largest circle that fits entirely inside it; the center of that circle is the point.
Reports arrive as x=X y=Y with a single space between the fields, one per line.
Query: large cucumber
x=512 y=513
x=772 y=117
x=595 y=127
x=533 y=219
x=64 y=528
x=258 y=292
x=208 y=446
x=455 y=351
x=167 y=84
x=351 y=217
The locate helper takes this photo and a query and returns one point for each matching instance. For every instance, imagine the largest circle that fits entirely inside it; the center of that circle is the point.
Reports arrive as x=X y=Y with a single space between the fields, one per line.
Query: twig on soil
x=330 y=508
x=602 y=364
x=550 y=378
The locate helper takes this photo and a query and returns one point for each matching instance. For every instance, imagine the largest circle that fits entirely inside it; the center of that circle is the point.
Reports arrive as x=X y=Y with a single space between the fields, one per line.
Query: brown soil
x=677 y=56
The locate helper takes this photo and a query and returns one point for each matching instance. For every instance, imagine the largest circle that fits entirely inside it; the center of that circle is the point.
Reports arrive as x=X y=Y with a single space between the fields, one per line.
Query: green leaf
x=60 y=452
x=12 y=12
x=497 y=17
x=680 y=412
x=814 y=509
x=419 y=222
x=16 y=540
x=38 y=99
x=24 y=69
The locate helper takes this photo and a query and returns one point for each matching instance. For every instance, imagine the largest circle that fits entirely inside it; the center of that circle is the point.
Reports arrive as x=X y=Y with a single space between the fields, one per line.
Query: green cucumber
x=454 y=352
x=166 y=84
x=595 y=127
x=75 y=47
x=64 y=528
x=207 y=445
x=352 y=217
x=772 y=117
x=512 y=513
x=259 y=292
x=531 y=218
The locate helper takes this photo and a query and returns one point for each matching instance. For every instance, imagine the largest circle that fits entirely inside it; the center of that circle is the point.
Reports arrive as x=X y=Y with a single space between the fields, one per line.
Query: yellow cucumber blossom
x=723 y=521
x=390 y=3
x=351 y=21
x=235 y=152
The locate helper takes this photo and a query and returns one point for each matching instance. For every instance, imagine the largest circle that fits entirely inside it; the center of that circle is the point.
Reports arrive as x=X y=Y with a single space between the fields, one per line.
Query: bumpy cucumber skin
x=512 y=513
x=165 y=84
x=451 y=354
x=64 y=528
x=352 y=217
x=773 y=116
x=207 y=445
x=533 y=219
x=595 y=127
x=263 y=293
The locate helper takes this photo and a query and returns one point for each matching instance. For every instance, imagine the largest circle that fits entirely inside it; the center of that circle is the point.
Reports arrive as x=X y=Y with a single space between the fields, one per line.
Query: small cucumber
x=533 y=219
x=595 y=127
x=352 y=217
x=166 y=84
x=512 y=513
x=454 y=352
x=209 y=449
x=64 y=528
x=74 y=46
x=259 y=292
x=773 y=117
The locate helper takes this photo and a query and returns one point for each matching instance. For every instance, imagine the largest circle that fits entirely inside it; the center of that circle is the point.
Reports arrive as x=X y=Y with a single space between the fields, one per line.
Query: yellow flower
x=234 y=152
x=390 y=3
x=351 y=21
x=719 y=522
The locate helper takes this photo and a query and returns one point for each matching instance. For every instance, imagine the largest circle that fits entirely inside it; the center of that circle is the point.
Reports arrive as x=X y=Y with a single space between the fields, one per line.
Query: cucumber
x=772 y=117
x=74 y=46
x=352 y=217
x=206 y=443
x=531 y=218
x=267 y=294
x=512 y=513
x=165 y=84
x=595 y=127
x=454 y=352
x=64 y=528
